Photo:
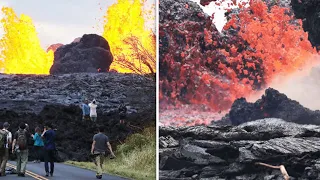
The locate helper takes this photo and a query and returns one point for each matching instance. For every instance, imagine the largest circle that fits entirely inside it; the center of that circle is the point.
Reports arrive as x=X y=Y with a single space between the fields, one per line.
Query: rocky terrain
x=231 y=152
x=272 y=104
x=56 y=99
x=90 y=54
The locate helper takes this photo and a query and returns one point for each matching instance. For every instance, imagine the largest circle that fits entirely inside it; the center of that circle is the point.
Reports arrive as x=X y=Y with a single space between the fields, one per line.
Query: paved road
x=62 y=171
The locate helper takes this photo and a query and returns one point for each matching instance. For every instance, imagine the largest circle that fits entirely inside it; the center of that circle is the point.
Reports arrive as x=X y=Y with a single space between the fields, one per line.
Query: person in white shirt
x=4 y=159
x=93 y=110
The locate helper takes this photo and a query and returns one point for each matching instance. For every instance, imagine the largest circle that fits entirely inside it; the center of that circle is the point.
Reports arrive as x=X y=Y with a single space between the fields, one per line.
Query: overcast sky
x=62 y=21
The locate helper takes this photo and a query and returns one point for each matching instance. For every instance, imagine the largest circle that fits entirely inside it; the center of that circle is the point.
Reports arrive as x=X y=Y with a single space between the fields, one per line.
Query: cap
x=6 y=125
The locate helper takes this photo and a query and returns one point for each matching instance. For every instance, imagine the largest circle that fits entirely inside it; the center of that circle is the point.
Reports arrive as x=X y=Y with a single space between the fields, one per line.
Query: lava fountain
x=131 y=43
x=200 y=66
x=21 y=52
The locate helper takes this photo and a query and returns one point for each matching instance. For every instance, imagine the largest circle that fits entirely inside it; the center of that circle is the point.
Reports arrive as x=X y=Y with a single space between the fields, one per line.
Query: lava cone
x=91 y=54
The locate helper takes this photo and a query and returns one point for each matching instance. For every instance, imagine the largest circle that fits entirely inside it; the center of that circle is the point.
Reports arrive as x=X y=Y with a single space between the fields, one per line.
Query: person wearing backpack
x=20 y=147
x=49 y=148
x=5 y=142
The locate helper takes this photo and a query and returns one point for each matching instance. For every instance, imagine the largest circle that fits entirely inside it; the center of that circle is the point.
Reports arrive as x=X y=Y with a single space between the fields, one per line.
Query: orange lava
x=278 y=46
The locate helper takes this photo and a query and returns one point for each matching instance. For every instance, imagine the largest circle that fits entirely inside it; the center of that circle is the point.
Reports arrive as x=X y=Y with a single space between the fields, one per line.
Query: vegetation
x=136 y=157
x=144 y=60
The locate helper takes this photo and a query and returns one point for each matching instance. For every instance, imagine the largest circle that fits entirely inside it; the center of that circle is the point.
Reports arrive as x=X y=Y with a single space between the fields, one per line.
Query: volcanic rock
x=308 y=12
x=88 y=55
x=230 y=152
x=56 y=99
x=54 y=47
x=272 y=104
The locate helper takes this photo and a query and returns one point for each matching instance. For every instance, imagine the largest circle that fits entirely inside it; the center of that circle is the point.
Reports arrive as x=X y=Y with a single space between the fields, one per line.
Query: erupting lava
x=20 y=48
x=199 y=66
x=130 y=42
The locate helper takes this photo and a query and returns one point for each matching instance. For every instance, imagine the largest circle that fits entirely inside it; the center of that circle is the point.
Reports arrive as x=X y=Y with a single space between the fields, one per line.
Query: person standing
x=20 y=147
x=38 y=144
x=122 y=112
x=93 y=110
x=49 y=148
x=85 y=111
x=5 y=142
x=98 y=149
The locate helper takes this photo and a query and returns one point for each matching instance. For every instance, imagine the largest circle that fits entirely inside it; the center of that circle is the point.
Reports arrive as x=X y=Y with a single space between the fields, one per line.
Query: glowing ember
x=203 y=67
x=125 y=20
x=21 y=52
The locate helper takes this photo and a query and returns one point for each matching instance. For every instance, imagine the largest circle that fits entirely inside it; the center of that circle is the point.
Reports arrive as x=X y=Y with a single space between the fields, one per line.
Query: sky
x=62 y=21
x=219 y=19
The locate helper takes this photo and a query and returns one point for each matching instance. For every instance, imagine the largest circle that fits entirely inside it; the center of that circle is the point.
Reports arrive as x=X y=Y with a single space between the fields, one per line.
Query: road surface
x=61 y=171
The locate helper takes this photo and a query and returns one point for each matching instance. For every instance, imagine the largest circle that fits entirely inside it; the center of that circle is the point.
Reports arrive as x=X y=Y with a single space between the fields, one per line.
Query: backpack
x=22 y=140
x=3 y=140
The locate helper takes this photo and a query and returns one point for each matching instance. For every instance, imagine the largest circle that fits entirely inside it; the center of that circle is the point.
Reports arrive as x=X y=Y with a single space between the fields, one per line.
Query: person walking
x=5 y=142
x=49 y=148
x=85 y=111
x=93 y=110
x=20 y=147
x=38 y=144
x=98 y=149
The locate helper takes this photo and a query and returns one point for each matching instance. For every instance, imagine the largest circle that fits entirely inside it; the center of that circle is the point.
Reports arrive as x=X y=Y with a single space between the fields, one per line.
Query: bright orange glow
x=269 y=44
x=21 y=52
x=123 y=20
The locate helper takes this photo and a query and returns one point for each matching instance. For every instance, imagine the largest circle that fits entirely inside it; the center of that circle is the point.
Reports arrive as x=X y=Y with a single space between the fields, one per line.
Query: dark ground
x=62 y=171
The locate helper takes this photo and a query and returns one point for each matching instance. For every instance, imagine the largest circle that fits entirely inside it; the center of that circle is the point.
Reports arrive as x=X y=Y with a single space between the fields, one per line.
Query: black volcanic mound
x=56 y=99
x=88 y=55
x=272 y=104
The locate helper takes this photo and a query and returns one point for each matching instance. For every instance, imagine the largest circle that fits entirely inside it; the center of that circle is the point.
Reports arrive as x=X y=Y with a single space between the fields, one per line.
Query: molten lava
x=199 y=66
x=130 y=41
x=132 y=44
x=21 y=52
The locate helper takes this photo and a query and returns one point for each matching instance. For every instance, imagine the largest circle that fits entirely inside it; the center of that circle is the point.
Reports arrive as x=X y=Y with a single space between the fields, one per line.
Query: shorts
x=86 y=117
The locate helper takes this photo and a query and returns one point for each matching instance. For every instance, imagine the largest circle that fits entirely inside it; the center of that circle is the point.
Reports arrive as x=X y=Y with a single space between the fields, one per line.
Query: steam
x=219 y=10
x=302 y=86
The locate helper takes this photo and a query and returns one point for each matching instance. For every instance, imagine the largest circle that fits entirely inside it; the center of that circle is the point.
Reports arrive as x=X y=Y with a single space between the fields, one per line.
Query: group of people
x=18 y=143
x=89 y=110
x=44 y=141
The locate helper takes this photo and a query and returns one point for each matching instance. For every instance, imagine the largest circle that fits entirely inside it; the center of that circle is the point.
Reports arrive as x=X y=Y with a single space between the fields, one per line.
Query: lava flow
x=199 y=66
x=131 y=43
x=21 y=50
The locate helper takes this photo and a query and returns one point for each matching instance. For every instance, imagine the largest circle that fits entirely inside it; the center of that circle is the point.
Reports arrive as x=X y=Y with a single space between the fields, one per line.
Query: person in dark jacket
x=49 y=136
x=122 y=112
